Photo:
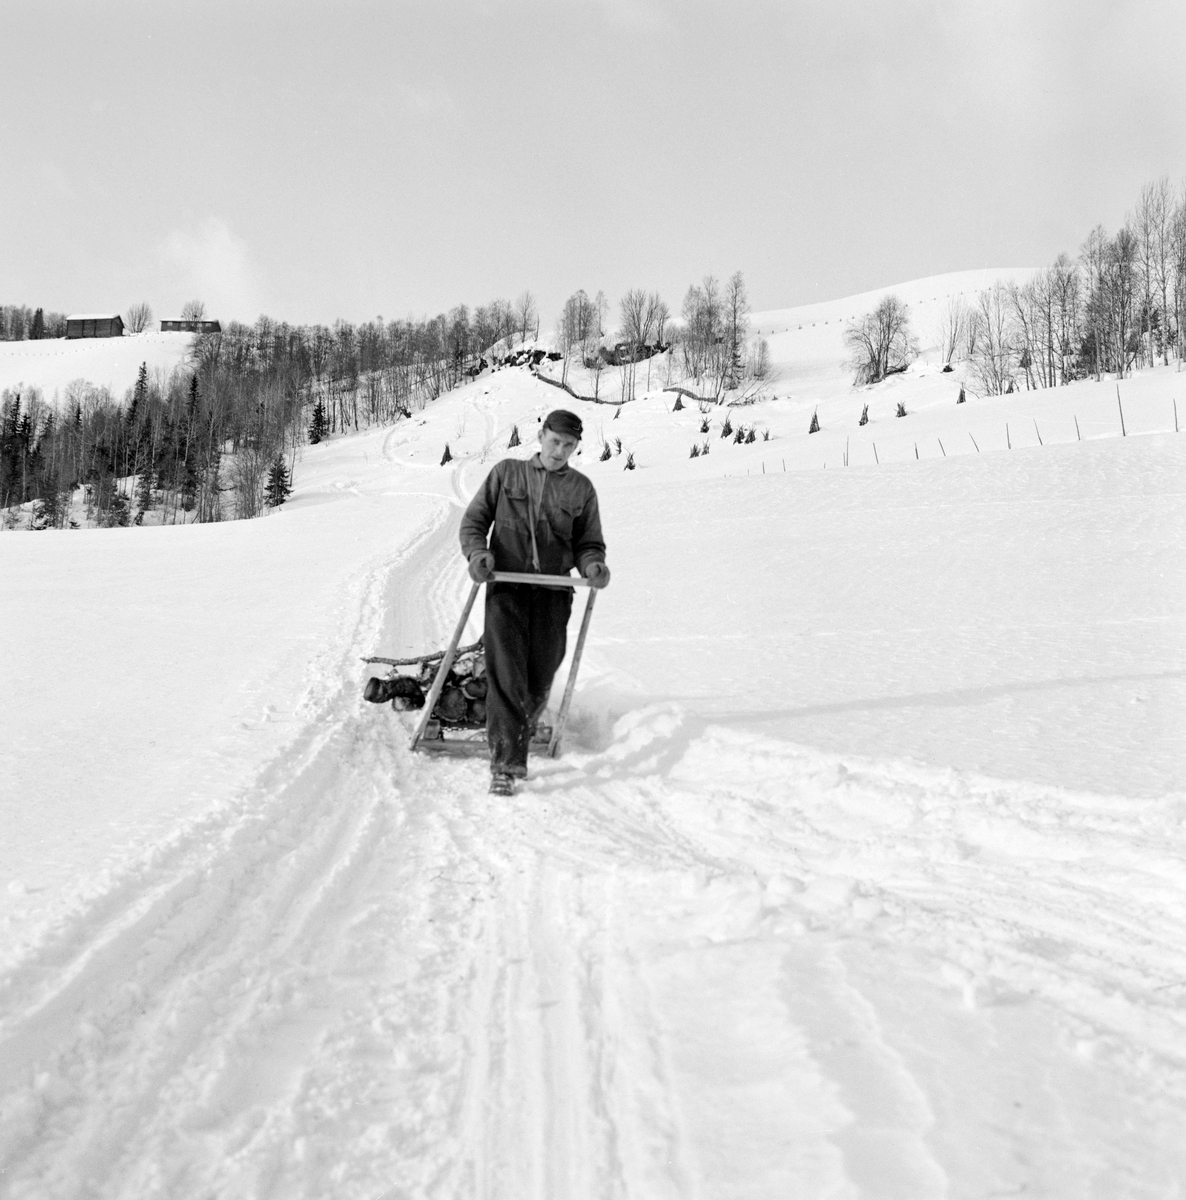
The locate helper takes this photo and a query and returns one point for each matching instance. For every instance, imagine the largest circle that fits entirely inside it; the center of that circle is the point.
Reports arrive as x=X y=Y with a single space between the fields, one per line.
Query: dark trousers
x=526 y=631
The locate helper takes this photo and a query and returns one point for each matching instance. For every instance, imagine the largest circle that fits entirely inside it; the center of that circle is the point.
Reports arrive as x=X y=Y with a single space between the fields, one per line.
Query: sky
x=353 y=160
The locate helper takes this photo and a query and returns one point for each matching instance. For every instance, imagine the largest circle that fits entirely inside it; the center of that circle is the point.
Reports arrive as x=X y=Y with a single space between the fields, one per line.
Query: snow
x=53 y=364
x=861 y=875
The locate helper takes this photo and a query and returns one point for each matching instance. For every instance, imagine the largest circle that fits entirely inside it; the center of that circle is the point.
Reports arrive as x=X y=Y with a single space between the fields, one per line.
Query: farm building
x=190 y=327
x=87 y=325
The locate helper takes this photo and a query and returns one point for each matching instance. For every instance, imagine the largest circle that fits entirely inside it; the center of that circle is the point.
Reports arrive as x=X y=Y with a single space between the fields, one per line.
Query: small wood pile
x=462 y=703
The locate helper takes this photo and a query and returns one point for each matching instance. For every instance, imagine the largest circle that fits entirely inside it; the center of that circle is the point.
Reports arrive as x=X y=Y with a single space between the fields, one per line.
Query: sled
x=466 y=740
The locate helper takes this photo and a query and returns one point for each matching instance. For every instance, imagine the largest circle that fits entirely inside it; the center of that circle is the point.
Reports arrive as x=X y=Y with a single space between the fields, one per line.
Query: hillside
x=861 y=874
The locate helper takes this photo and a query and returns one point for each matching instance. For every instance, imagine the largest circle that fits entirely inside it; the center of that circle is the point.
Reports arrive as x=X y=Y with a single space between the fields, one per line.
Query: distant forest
x=201 y=443
x=18 y=324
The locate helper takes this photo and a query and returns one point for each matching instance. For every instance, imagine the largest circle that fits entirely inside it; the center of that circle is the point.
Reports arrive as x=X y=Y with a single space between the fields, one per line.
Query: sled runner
x=454 y=714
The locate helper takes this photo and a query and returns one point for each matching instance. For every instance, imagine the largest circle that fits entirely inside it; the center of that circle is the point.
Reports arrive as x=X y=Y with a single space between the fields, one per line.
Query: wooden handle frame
x=552 y=581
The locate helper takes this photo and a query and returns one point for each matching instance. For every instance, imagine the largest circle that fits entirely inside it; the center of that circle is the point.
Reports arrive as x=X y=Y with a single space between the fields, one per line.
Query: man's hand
x=597 y=573
x=481 y=566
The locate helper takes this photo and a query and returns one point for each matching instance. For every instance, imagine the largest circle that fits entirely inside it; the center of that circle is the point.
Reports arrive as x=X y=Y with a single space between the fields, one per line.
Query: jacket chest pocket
x=561 y=517
x=512 y=503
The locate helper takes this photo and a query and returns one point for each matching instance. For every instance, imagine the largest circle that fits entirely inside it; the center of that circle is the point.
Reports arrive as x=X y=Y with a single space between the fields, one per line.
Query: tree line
x=202 y=443
x=711 y=344
x=1119 y=305
x=19 y=323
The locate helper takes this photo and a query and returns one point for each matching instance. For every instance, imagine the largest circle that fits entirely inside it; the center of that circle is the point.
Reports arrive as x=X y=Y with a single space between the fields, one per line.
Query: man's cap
x=560 y=420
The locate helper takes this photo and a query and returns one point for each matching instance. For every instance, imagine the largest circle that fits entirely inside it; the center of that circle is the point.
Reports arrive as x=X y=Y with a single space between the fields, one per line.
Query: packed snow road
x=689 y=959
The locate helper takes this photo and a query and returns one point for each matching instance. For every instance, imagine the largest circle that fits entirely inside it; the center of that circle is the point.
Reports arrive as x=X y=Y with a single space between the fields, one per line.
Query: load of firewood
x=463 y=698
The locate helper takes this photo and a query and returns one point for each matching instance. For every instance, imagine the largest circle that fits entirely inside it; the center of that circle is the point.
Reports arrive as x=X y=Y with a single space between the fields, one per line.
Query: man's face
x=555 y=449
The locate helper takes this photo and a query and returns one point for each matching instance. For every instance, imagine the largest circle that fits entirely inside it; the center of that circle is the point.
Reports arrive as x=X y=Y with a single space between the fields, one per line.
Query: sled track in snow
x=367 y=978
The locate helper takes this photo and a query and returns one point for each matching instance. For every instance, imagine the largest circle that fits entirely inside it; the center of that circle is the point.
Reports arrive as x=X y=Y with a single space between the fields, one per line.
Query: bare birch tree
x=880 y=343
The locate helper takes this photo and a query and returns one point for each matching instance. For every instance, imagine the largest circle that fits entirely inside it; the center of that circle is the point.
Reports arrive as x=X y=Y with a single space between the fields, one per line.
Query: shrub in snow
x=765 y=435
x=704 y=425
x=678 y=405
x=629 y=461
x=727 y=428
x=750 y=436
x=739 y=435
x=606 y=452
x=617 y=412
x=962 y=398
x=704 y=448
x=618 y=443
x=447 y=457
x=901 y=409
x=814 y=426
x=864 y=416
x=695 y=451
x=514 y=437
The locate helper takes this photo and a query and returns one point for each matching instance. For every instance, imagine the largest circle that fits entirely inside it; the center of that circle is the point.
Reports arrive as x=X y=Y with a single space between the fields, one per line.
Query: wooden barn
x=190 y=327
x=86 y=325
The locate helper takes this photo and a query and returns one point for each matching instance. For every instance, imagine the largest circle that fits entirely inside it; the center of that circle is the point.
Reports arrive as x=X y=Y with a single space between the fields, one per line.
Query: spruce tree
x=319 y=426
x=279 y=486
x=143 y=493
x=37 y=330
x=814 y=426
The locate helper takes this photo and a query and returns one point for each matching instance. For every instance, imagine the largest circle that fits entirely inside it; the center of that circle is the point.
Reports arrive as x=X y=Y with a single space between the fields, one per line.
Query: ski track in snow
x=681 y=949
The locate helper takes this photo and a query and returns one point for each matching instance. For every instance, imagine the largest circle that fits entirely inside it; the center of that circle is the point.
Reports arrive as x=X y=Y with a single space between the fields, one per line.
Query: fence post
x=1123 y=431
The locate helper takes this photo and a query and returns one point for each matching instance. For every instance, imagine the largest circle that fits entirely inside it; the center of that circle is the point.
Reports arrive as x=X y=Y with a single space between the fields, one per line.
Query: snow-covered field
x=862 y=875
x=52 y=365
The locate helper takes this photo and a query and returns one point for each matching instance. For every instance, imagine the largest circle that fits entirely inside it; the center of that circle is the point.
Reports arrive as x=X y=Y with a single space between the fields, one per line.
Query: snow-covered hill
x=52 y=365
x=861 y=875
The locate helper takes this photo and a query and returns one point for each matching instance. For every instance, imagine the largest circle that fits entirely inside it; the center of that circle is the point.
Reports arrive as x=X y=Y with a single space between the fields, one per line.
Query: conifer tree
x=814 y=426
x=37 y=330
x=447 y=457
x=319 y=426
x=514 y=437
x=279 y=486
x=143 y=493
x=962 y=398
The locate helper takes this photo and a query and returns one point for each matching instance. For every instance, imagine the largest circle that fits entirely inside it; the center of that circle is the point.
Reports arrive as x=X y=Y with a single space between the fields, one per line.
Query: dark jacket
x=561 y=505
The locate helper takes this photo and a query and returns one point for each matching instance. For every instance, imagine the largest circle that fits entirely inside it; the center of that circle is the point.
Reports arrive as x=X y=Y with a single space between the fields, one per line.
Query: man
x=546 y=521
